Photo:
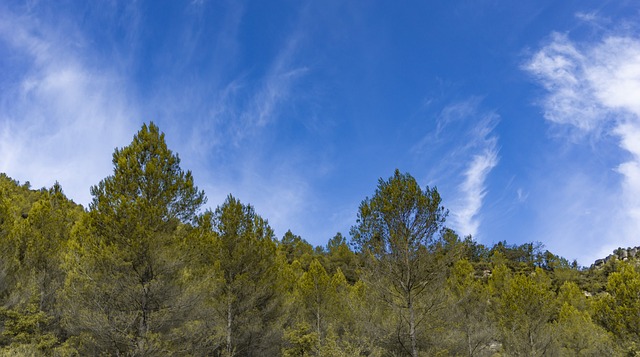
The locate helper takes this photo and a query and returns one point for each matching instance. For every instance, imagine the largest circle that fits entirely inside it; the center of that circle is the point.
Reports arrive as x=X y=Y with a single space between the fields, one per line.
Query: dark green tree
x=340 y=256
x=296 y=248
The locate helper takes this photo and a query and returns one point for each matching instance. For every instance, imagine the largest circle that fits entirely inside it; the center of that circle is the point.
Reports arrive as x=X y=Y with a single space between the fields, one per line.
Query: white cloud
x=473 y=190
x=64 y=114
x=229 y=146
x=467 y=206
x=558 y=67
x=587 y=16
x=595 y=89
x=60 y=119
x=468 y=164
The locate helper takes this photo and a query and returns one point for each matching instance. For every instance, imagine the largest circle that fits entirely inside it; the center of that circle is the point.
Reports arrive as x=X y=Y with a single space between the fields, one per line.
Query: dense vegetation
x=144 y=272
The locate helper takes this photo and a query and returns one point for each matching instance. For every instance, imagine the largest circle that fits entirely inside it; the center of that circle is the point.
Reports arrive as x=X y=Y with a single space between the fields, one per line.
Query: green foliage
x=143 y=273
x=578 y=335
x=320 y=301
x=34 y=230
x=470 y=330
x=398 y=231
x=125 y=255
x=525 y=308
x=243 y=295
x=524 y=258
x=26 y=326
x=302 y=341
x=316 y=294
x=399 y=220
x=617 y=308
x=148 y=191
x=296 y=248
x=341 y=257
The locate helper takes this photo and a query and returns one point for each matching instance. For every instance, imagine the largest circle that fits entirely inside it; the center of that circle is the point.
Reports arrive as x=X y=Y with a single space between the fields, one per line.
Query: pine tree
x=468 y=314
x=125 y=258
x=399 y=229
x=32 y=256
x=525 y=306
x=241 y=285
x=575 y=331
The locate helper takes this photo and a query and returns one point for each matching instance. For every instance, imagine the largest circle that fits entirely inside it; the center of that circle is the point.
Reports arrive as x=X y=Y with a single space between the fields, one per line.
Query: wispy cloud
x=594 y=89
x=233 y=111
x=558 y=67
x=473 y=190
x=59 y=118
x=521 y=196
x=277 y=189
x=71 y=101
x=239 y=112
x=275 y=90
x=468 y=162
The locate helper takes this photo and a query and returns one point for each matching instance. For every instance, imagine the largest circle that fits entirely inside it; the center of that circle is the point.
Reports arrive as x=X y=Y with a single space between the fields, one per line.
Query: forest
x=144 y=270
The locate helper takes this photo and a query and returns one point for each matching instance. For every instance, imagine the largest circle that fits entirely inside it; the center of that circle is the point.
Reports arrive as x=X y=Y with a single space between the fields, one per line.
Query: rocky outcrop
x=620 y=254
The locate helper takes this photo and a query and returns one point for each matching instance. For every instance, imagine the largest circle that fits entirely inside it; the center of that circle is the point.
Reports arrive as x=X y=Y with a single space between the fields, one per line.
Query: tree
x=468 y=314
x=125 y=257
x=244 y=294
x=617 y=309
x=15 y=203
x=296 y=248
x=34 y=229
x=340 y=256
x=398 y=230
x=577 y=334
x=315 y=292
x=525 y=306
x=42 y=236
x=147 y=193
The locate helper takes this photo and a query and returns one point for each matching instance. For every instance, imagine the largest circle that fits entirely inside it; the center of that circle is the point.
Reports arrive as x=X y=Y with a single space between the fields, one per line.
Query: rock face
x=621 y=254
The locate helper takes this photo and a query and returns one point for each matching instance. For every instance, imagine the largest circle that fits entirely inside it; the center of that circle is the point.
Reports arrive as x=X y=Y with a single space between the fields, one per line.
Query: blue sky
x=524 y=114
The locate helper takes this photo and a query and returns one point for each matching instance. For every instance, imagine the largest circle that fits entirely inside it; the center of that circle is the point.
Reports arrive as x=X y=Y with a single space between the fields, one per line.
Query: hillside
x=142 y=271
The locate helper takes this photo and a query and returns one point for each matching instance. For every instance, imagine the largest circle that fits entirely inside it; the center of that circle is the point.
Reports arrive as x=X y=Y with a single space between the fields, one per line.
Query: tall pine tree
x=399 y=231
x=125 y=259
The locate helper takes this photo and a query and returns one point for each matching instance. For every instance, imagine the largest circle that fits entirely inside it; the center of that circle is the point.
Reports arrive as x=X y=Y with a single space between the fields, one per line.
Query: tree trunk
x=144 y=323
x=470 y=347
x=318 y=327
x=412 y=328
x=229 y=324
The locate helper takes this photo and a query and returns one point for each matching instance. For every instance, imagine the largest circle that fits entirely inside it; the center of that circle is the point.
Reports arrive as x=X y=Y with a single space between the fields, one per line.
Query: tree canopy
x=146 y=270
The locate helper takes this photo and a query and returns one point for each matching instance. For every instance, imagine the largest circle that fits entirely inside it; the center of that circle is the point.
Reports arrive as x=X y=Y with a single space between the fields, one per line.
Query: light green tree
x=321 y=301
x=525 y=308
x=468 y=316
x=42 y=237
x=31 y=253
x=317 y=296
x=574 y=330
x=246 y=295
x=398 y=231
x=617 y=309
